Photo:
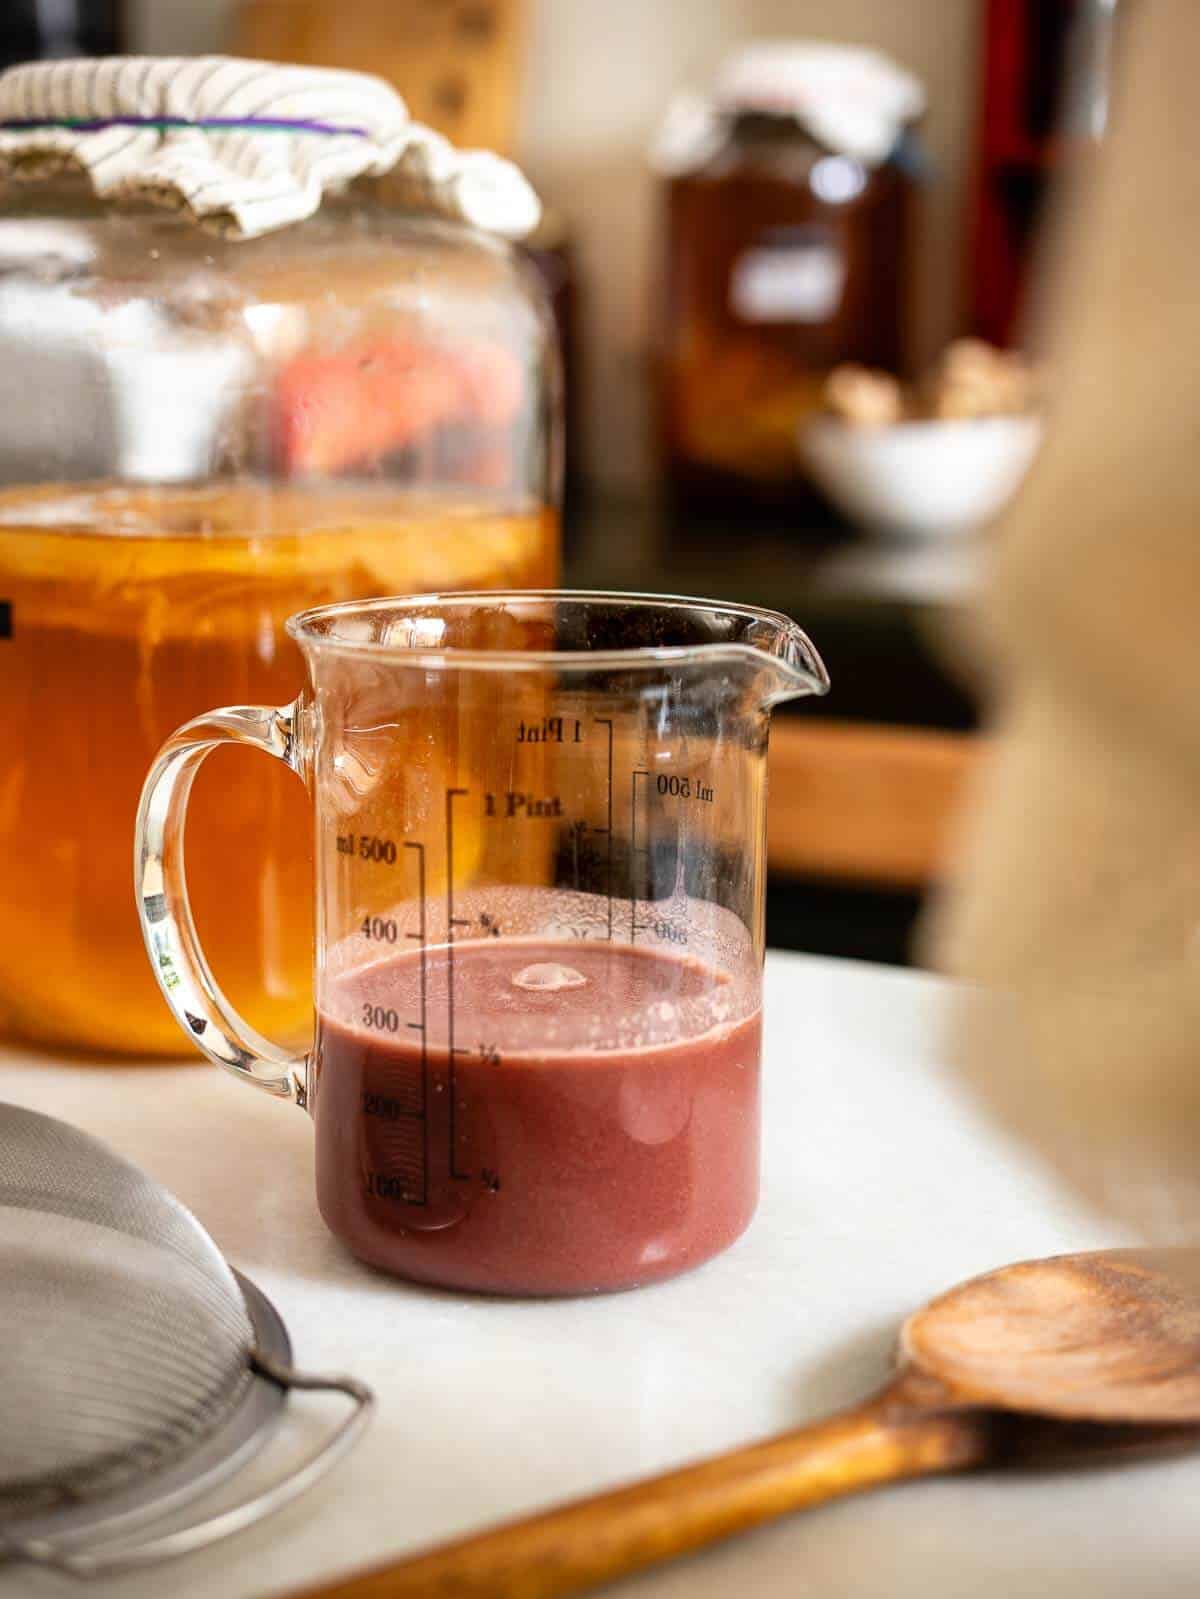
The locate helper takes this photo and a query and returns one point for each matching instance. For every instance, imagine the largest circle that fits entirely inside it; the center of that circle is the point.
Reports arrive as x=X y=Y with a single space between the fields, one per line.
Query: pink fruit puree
x=600 y=1128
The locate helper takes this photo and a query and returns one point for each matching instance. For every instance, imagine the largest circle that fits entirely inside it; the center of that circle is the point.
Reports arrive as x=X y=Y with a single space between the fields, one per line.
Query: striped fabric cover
x=243 y=146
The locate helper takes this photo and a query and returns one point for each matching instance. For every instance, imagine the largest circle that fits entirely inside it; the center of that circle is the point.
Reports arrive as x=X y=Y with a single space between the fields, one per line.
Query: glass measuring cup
x=540 y=846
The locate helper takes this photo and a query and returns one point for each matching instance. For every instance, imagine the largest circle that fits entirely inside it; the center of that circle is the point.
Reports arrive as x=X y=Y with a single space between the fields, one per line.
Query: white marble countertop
x=882 y=1186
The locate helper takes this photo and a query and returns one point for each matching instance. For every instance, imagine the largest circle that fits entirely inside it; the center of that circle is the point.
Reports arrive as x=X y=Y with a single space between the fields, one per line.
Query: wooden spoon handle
x=594 y=1540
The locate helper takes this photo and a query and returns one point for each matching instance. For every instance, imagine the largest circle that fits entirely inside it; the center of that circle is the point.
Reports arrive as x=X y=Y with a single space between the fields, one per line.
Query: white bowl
x=921 y=479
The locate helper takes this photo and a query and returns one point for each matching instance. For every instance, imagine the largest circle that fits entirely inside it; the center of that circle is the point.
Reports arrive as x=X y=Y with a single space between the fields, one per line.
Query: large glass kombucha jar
x=200 y=436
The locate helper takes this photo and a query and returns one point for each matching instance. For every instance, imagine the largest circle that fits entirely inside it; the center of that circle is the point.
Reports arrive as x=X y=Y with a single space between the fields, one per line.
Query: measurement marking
x=424 y=1199
x=416 y=1026
x=634 y=849
x=606 y=721
x=452 y=922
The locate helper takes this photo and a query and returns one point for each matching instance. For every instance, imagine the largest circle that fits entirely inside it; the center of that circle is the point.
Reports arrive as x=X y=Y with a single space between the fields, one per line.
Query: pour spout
x=788 y=663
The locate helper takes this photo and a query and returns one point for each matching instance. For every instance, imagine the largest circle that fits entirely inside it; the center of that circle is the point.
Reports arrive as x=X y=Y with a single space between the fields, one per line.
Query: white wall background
x=599 y=74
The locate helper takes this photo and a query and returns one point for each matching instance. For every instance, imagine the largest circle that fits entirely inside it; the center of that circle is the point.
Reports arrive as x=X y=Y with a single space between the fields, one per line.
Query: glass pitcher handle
x=188 y=985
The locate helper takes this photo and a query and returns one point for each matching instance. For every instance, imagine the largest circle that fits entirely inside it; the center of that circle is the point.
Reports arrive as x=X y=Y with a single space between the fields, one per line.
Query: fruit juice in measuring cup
x=612 y=1095
x=129 y=611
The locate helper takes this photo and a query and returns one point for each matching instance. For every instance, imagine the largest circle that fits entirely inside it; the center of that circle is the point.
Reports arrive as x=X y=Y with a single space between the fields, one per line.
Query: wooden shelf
x=866 y=804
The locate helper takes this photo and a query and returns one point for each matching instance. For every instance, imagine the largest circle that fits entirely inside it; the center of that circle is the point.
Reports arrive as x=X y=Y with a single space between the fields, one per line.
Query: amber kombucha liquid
x=123 y=613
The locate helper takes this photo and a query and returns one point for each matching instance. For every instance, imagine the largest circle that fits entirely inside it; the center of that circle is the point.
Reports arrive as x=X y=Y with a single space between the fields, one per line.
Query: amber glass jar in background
x=199 y=437
x=785 y=253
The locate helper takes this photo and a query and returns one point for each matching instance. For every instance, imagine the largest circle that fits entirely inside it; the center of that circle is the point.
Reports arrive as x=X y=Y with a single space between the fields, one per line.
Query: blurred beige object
x=974 y=378
x=863 y=397
x=458 y=64
x=1079 y=891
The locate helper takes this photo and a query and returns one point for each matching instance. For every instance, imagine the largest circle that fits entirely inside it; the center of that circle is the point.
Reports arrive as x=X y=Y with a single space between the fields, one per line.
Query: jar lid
x=855 y=102
x=243 y=147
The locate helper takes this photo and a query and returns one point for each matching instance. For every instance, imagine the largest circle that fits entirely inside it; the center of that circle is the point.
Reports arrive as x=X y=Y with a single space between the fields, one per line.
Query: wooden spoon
x=1046 y=1362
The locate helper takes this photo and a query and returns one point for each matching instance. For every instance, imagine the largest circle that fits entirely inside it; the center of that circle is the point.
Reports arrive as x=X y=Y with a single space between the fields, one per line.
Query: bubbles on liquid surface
x=547 y=977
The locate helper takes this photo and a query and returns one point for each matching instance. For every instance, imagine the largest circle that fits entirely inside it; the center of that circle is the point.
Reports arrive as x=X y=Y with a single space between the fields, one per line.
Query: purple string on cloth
x=204 y=124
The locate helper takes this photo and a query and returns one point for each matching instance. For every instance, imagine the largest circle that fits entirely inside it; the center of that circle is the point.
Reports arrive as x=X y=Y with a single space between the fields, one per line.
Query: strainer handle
x=183 y=974
x=123 y=1555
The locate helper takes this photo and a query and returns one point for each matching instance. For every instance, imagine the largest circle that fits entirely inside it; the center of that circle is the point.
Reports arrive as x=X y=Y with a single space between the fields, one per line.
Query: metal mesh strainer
x=130 y=1354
